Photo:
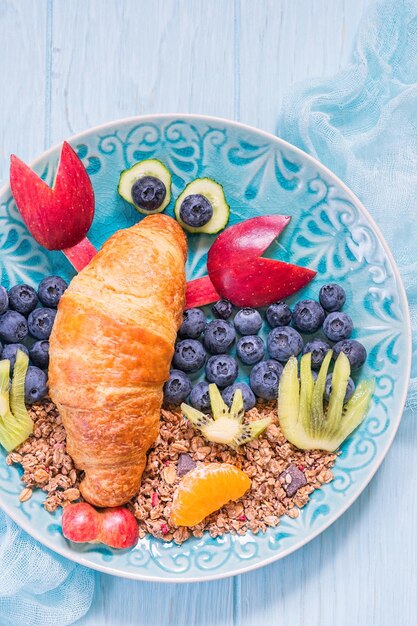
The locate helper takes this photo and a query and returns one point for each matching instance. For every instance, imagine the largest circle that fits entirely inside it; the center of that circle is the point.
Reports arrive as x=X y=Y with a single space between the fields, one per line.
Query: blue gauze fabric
x=362 y=124
x=38 y=587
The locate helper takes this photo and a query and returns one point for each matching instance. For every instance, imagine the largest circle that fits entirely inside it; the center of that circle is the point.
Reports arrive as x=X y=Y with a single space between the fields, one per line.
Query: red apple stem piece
x=200 y=292
x=81 y=254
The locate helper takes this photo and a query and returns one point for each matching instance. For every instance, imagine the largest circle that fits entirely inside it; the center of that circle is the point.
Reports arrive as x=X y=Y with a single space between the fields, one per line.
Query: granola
x=44 y=459
x=271 y=462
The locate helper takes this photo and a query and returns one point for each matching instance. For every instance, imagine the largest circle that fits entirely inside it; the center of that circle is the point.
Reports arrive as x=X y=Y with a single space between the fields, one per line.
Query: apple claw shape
x=57 y=217
x=237 y=271
x=259 y=282
x=245 y=240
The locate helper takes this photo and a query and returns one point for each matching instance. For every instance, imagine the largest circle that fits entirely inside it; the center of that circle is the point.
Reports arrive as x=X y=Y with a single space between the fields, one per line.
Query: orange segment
x=206 y=489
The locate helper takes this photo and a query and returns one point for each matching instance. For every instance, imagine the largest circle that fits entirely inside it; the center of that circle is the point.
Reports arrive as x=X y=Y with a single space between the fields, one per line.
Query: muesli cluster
x=282 y=476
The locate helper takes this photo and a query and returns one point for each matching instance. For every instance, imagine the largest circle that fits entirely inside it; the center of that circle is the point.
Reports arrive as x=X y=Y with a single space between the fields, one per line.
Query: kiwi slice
x=303 y=417
x=156 y=195
x=15 y=427
x=226 y=426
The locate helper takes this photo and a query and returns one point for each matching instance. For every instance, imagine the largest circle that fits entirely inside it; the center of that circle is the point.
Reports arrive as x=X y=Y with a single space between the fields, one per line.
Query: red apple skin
x=119 y=528
x=200 y=292
x=116 y=527
x=246 y=240
x=60 y=217
x=259 y=282
x=80 y=522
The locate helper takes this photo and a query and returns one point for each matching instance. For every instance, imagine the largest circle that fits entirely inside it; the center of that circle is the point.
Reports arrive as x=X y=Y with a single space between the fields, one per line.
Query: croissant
x=110 y=353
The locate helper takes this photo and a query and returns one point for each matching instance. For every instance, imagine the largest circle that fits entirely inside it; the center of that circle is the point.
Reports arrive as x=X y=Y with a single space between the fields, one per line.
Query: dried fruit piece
x=206 y=489
x=292 y=480
x=226 y=426
x=185 y=465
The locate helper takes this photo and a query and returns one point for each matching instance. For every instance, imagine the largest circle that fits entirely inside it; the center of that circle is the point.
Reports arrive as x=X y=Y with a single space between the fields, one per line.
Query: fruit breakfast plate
x=325 y=237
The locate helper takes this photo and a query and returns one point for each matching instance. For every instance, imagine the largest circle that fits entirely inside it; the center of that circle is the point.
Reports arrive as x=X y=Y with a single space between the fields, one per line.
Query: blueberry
x=189 y=355
x=308 y=316
x=222 y=308
x=250 y=349
x=196 y=210
x=4 y=300
x=39 y=353
x=278 y=314
x=249 y=399
x=332 y=297
x=337 y=326
x=40 y=322
x=23 y=299
x=177 y=387
x=13 y=327
x=199 y=397
x=349 y=390
x=284 y=342
x=50 y=290
x=9 y=352
x=248 y=321
x=264 y=379
x=148 y=193
x=222 y=370
x=219 y=336
x=193 y=324
x=36 y=386
x=318 y=349
x=355 y=352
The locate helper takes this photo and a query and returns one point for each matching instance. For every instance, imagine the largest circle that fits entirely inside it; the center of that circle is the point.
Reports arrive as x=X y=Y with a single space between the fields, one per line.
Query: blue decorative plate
x=330 y=231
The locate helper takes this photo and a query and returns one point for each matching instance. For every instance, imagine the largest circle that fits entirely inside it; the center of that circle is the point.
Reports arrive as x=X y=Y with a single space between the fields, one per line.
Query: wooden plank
x=24 y=89
x=128 y=603
x=140 y=56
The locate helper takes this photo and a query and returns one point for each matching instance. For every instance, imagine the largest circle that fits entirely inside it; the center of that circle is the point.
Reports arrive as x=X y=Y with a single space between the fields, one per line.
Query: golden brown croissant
x=110 y=352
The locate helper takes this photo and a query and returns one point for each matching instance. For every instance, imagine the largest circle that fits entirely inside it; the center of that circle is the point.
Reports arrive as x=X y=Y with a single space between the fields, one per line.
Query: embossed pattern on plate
x=329 y=232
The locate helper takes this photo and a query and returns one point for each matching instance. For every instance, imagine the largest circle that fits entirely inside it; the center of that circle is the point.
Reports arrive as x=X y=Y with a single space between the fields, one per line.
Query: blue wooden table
x=66 y=65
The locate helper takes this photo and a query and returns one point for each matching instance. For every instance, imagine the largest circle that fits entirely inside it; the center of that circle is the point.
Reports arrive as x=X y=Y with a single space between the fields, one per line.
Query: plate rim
x=103 y=568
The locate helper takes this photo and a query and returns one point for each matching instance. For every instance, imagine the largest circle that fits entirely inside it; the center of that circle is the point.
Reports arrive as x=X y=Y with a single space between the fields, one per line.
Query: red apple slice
x=57 y=217
x=245 y=240
x=200 y=292
x=237 y=271
x=258 y=282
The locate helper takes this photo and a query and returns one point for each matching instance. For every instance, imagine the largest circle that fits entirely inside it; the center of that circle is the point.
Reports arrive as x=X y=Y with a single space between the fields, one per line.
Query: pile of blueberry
x=203 y=343
x=26 y=320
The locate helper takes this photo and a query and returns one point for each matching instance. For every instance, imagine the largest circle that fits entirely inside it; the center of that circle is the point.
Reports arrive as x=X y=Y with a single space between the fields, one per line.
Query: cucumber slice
x=150 y=167
x=214 y=193
x=226 y=426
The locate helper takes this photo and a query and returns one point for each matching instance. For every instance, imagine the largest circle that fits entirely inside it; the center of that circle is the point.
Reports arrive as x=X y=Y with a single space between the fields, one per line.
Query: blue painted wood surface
x=66 y=65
